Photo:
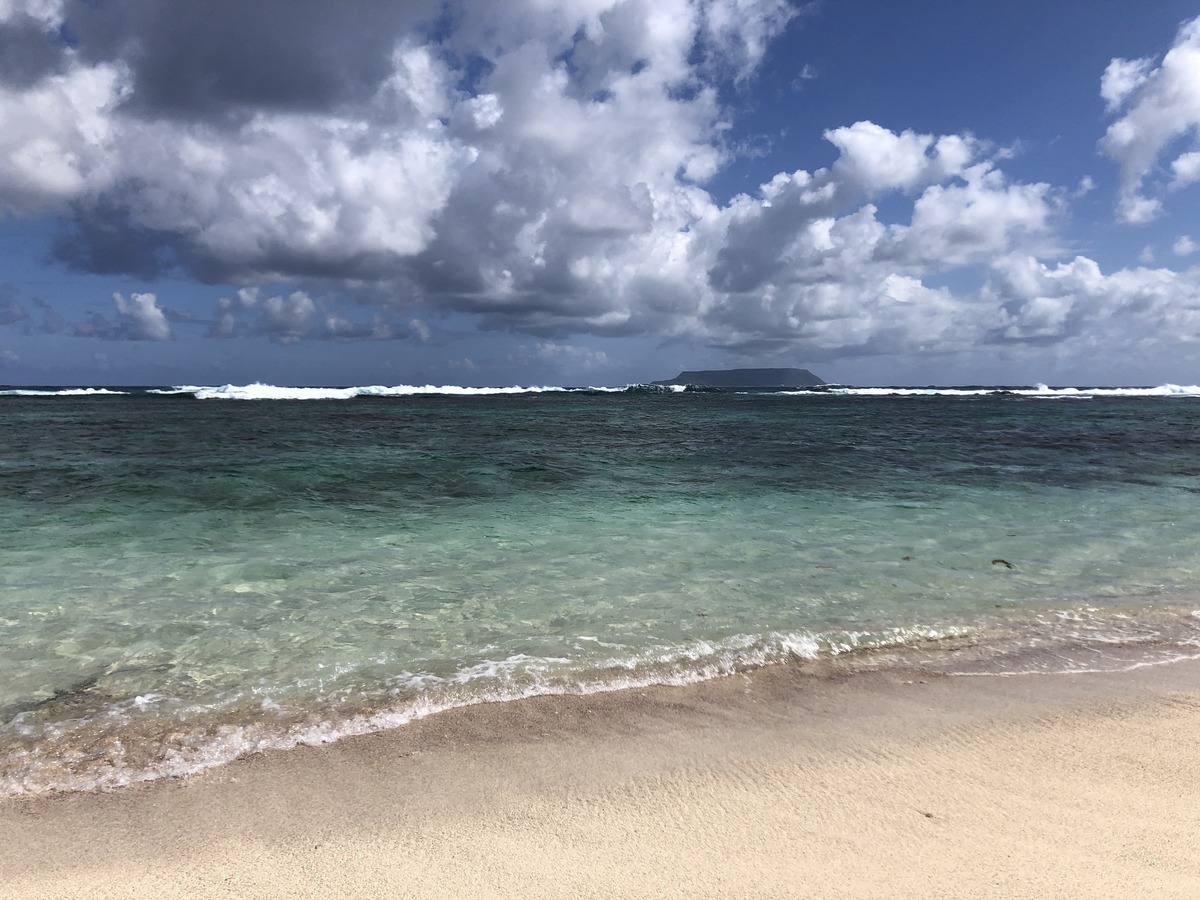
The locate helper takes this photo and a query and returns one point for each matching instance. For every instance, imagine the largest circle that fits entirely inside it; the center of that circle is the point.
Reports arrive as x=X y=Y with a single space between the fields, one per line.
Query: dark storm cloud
x=209 y=57
x=104 y=238
x=29 y=51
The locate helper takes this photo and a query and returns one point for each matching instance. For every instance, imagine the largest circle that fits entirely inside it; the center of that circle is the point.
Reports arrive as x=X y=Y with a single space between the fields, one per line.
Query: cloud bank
x=543 y=166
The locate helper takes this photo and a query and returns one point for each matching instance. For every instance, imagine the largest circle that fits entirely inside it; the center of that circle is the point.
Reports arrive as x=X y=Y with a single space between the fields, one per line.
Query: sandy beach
x=781 y=783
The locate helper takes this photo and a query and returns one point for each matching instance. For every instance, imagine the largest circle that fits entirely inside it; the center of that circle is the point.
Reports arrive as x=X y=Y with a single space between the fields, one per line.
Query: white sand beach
x=774 y=784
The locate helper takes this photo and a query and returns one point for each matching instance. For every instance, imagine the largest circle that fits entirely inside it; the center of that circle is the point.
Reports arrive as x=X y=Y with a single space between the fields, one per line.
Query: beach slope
x=780 y=783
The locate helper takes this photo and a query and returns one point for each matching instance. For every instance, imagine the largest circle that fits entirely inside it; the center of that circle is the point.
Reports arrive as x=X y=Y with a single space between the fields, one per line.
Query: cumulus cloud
x=285 y=320
x=288 y=319
x=965 y=223
x=169 y=144
x=248 y=144
x=1042 y=303
x=298 y=316
x=807 y=265
x=1121 y=79
x=138 y=318
x=1160 y=104
x=541 y=165
x=1186 y=169
x=59 y=139
x=874 y=160
x=141 y=318
x=228 y=311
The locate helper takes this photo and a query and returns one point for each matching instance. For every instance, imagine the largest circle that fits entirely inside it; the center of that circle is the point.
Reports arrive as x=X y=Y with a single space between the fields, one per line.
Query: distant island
x=747 y=379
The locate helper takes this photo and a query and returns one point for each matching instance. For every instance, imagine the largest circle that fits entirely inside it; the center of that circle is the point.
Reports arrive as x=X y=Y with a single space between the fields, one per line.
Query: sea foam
x=1037 y=391
x=176 y=738
x=259 y=391
x=61 y=392
x=262 y=391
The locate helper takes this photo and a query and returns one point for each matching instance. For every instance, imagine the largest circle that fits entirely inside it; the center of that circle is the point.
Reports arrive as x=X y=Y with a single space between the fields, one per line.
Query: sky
x=598 y=192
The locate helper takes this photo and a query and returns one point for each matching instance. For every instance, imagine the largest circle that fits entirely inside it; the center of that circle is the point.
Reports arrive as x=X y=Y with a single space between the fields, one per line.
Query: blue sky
x=598 y=192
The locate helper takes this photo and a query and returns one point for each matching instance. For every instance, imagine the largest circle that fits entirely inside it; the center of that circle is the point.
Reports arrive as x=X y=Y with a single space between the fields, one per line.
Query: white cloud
x=297 y=317
x=143 y=319
x=288 y=192
x=1186 y=169
x=560 y=193
x=485 y=110
x=1184 y=246
x=59 y=139
x=1160 y=105
x=744 y=28
x=1077 y=302
x=285 y=320
x=229 y=309
x=961 y=224
x=360 y=189
x=874 y=159
x=1121 y=79
x=808 y=266
x=1137 y=210
x=288 y=319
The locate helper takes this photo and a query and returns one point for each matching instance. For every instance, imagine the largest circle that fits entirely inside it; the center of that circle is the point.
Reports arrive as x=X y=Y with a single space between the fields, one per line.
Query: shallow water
x=187 y=580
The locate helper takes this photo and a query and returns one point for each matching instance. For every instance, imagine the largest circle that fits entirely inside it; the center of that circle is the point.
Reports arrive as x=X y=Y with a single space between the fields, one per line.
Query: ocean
x=193 y=574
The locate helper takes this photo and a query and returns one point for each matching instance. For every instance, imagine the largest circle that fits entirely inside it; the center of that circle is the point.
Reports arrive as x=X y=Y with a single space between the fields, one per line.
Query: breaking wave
x=60 y=392
x=1039 y=391
x=260 y=391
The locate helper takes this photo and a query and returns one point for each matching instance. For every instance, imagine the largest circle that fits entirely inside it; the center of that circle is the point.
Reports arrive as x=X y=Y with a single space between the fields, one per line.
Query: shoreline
x=152 y=747
x=776 y=782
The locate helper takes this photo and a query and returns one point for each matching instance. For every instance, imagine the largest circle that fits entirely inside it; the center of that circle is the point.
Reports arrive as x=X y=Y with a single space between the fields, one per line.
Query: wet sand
x=783 y=783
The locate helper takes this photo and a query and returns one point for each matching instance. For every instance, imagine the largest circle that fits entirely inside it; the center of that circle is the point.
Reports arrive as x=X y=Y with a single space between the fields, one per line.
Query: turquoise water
x=185 y=581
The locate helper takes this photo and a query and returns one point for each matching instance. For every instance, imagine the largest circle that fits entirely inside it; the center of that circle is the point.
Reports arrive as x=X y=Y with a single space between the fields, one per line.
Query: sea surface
x=192 y=574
